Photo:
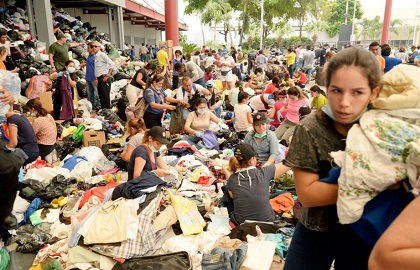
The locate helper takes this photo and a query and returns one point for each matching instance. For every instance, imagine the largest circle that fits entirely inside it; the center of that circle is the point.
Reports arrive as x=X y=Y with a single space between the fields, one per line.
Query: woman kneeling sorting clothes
x=248 y=186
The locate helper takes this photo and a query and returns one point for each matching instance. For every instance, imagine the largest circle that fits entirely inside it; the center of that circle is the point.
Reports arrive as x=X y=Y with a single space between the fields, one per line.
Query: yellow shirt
x=291 y=59
x=319 y=101
x=162 y=57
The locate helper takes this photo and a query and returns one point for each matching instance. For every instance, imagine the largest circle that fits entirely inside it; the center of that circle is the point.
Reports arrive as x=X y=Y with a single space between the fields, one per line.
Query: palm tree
x=315 y=28
x=282 y=29
x=393 y=25
x=370 y=28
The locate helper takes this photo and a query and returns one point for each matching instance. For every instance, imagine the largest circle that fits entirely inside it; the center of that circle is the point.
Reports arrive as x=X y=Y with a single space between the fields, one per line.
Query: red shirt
x=271 y=88
x=302 y=79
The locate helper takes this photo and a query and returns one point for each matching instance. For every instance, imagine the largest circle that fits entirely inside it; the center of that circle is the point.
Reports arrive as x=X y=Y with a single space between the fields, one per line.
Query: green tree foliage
x=370 y=28
x=314 y=28
x=338 y=15
x=394 y=24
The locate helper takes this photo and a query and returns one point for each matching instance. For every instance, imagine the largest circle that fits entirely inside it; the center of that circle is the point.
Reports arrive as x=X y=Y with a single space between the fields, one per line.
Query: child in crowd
x=242 y=111
x=208 y=74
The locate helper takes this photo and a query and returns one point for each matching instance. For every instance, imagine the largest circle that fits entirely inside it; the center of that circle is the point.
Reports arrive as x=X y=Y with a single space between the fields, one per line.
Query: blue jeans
x=317 y=250
x=201 y=82
x=291 y=70
x=221 y=259
x=93 y=95
x=192 y=140
x=308 y=72
x=218 y=111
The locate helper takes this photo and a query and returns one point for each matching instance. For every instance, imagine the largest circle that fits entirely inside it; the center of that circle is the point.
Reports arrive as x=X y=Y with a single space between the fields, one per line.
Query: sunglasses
x=93 y=46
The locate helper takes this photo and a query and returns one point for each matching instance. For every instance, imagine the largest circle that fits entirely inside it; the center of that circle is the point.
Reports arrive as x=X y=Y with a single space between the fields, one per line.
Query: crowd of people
x=264 y=98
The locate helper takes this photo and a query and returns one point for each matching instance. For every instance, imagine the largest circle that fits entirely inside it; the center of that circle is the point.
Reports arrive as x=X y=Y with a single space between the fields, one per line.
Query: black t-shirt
x=144 y=78
x=140 y=151
x=250 y=192
x=313 y=140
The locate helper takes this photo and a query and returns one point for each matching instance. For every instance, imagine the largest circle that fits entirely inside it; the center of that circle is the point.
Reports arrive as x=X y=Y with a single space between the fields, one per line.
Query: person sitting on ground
x=301 y=78
x=214 y=102
x=135 y=128
x=280 y=98
x=289 y=81
x=243 y=113
x=295 y=100
x=22 y=135
x=146 y=157
x=3 y=56
x=199 y=121
x=262 y=102
x=319 y=98
x=248 y=186
x=257 y=78
x=263 y=141
x=273 y=86
x=44 y=127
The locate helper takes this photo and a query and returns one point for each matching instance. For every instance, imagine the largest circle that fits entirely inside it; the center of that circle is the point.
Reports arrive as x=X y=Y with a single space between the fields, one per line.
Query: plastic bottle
x=4 y=108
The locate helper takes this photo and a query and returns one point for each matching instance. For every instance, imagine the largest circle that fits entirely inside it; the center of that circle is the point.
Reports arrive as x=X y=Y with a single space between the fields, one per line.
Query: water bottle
x=4 y=108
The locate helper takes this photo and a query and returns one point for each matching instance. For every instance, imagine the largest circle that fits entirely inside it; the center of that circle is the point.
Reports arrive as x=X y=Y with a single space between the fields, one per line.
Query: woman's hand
x=170 y=107
x=161 y=172
x=6 y=97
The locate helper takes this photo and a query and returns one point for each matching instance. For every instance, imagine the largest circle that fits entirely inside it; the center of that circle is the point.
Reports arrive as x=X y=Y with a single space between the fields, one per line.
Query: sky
x=371 y=8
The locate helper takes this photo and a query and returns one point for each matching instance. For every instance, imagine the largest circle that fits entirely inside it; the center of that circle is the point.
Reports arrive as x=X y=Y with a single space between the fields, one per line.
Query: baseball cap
x=209 y=83
x=159 y=134
x=163 y=47
x=244 y=152
x=259 y=118
x=61 y=35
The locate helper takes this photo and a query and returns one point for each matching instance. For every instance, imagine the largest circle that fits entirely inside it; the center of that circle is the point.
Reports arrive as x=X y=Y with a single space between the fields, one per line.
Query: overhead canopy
x=140 y=12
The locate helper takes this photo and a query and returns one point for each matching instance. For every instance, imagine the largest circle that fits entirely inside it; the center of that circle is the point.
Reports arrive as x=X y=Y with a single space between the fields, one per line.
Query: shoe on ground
x=9 y=222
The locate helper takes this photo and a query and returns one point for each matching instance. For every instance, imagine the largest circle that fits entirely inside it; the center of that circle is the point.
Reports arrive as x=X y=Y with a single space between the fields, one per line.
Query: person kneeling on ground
x=248 y=186
x=146 y=157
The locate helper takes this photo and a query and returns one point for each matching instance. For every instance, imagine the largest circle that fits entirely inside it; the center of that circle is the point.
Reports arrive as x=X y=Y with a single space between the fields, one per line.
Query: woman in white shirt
x=226 y=64
x=243 y=113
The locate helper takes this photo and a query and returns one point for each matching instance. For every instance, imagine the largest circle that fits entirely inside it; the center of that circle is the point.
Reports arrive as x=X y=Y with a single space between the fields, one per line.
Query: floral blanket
x=382 y=150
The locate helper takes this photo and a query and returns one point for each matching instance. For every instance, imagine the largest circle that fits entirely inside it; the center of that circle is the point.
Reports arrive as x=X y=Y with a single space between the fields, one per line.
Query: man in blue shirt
x=390 y=62
x=90 y=78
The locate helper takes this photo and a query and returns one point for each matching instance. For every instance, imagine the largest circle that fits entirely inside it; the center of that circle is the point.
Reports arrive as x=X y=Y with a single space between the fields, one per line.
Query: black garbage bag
x=79 y=50
x=121 y=75
x=67 y=146
x=110 y=116
x=82 y=88
x=30 y=239
x=57 y=187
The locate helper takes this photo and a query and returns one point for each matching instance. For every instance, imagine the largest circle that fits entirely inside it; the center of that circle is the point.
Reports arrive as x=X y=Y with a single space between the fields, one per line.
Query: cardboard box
x=93 y=138
x=46 y=100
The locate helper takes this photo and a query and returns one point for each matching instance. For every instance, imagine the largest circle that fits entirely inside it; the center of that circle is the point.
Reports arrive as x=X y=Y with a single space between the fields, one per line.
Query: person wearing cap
x=162 y=56
x=185 y=93
x=226 y=64
x=278 y=117
x=214 y=102
x=263 y=141
x=248 y=186
x=295 y=100
x=191 y=70
x=199 y=121
x=262 y=102
x=146 y=157
x=58 y=52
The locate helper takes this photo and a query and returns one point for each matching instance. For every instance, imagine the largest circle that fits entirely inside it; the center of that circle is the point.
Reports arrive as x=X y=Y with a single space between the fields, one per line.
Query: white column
x=44 y=22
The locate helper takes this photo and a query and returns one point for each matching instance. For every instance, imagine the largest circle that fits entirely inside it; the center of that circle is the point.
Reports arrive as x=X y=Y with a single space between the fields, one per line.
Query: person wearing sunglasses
x=90 y=78
x=104 y=68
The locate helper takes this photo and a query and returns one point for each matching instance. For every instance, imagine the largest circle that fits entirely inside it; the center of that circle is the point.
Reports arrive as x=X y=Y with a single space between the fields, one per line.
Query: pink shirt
x=293 y=109
x=277 y=106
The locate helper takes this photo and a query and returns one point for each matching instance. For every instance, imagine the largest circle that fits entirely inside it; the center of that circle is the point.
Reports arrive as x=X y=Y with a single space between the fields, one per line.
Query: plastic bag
x=4 y=259
x=78 y=134
x=189 y=218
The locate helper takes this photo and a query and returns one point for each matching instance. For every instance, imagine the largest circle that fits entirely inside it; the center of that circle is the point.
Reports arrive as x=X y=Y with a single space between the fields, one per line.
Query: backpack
x=137 y=110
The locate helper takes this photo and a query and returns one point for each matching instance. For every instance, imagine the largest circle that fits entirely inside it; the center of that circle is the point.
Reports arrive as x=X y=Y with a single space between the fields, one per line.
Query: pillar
x=387 y=20
x=111 y=29
x=120 y=26
x=171 y=21
x=44 y=22
x=31 y=18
